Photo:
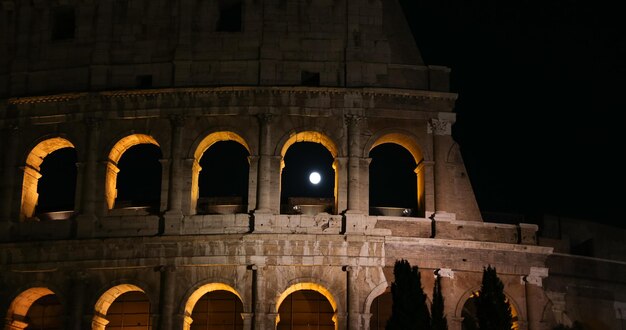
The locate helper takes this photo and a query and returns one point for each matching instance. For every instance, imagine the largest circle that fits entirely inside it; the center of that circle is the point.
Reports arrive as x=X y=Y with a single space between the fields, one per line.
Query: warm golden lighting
x=104 y=302
x=201 y=291
x=114 y=157
x=21 y=304
x=308 y=286
x=203 y=146
x=310 y=136
x=32 y=175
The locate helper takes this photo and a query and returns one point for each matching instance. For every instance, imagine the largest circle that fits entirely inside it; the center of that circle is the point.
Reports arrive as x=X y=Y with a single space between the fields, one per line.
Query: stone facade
x=344 y=74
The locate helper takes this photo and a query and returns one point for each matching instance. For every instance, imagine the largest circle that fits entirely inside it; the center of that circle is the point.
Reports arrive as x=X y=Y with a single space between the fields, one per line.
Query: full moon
x=315 y=178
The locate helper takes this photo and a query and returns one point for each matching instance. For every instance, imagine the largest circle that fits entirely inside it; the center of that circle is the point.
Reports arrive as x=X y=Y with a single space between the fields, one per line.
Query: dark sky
x=540 y=114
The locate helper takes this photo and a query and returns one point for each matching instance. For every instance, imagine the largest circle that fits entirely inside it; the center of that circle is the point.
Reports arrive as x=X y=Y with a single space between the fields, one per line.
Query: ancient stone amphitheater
x=98 y=79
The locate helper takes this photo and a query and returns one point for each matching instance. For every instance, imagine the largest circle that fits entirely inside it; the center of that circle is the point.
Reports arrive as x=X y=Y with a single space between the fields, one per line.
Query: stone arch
x=310 y=136
x=517 y=317
x=114 y=157
x=408 y=142
x=203 y=145
x=309 y=286
x=195 y=296
x=31 y=172
x=18 y=309
x=103 y=303
x=377 y=291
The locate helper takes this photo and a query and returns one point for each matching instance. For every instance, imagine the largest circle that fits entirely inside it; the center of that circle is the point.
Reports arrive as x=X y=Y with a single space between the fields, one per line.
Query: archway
x=470 y=320
x=35 y=308
x=306 y=305
x=302 y=154
x=32 y=173
x=214 y=305
x=396 y=158
x=381 y=310
x=124 y=306
x=222 y=155
x=138 y=155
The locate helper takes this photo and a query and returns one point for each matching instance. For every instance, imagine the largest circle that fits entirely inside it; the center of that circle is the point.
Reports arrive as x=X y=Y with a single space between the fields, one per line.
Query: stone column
x=100 y=56
x=264 y=175
x=442 y=142
x=174 y=215
x=341 y=168
x=535 y=297
x=352 y=288
x=166 y=302
x=79 y=284
x=8 y=173
x=85 y=221
x=182 y=53
x=354 y=153
x=252 y=182
x=261 y=307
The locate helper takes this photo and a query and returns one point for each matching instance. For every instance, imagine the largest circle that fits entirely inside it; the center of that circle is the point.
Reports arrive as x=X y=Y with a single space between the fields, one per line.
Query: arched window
x=133 y=177
x=122 y=307
x=51 y=164
x=223 y=181
x=36 y=308
x=381 y=311
x=218 y=309
x=308 y=179
x=306 y=309
x=393 y=181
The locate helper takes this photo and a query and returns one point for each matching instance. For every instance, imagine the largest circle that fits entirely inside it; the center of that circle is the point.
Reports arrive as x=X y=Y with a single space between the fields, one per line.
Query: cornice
x=237 y=90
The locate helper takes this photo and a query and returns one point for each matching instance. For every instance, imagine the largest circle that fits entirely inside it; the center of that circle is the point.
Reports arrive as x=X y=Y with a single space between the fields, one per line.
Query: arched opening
x=470 y=319
x=57 y=185
x=134 y=174
x=123 y=307
x=49 y=180
x=214 y=306
x=217 y=310
x=220 y=174
x=301 y=193
x=36 y=308
x=306 y=309
x=223 y=181
x=381 y=311
x=45 y=313
x=393 y=188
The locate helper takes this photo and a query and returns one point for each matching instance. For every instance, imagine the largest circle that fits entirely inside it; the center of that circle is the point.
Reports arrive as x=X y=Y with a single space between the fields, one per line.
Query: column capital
x=265 y=118
x=352 y=119
x=178 y=120
x=444 y=272
x=439 y=127
x=535 y=276
x=165 y=269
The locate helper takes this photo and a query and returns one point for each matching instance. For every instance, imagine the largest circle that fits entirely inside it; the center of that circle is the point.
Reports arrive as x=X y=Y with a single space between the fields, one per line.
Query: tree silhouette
x=438 y=318
x=408 y=310
x=492 y=309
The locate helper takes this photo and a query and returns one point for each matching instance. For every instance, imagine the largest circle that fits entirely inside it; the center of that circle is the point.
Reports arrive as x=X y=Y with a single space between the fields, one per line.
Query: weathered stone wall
x=118 y=45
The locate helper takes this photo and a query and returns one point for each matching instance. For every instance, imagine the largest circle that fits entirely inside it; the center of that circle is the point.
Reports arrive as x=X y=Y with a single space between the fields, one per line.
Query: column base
x=173 y=222
x=263 y=221
x=85 y=225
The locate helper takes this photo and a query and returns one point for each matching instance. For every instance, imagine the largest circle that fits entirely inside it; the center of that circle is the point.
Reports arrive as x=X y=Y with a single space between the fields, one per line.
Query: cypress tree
x=492 y=309
x=408 y=310
x=438 y=318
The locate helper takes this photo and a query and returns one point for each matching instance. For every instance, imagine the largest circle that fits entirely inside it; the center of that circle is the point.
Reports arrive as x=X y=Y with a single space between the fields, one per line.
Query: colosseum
x=179 y=129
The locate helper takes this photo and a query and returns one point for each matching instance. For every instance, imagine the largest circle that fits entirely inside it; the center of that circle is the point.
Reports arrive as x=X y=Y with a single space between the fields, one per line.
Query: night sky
x=540 y=114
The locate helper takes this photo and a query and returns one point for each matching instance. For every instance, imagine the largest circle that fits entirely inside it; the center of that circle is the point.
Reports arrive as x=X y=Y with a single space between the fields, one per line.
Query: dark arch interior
x=306 y=309
x=130 y=311
x=46 y=313
x=470 y=318
x=57 y=185
x=224 y=176
x=301 y=159
x=217 y=310
x=139 y=178
x=381 y=311
x=393 y=182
